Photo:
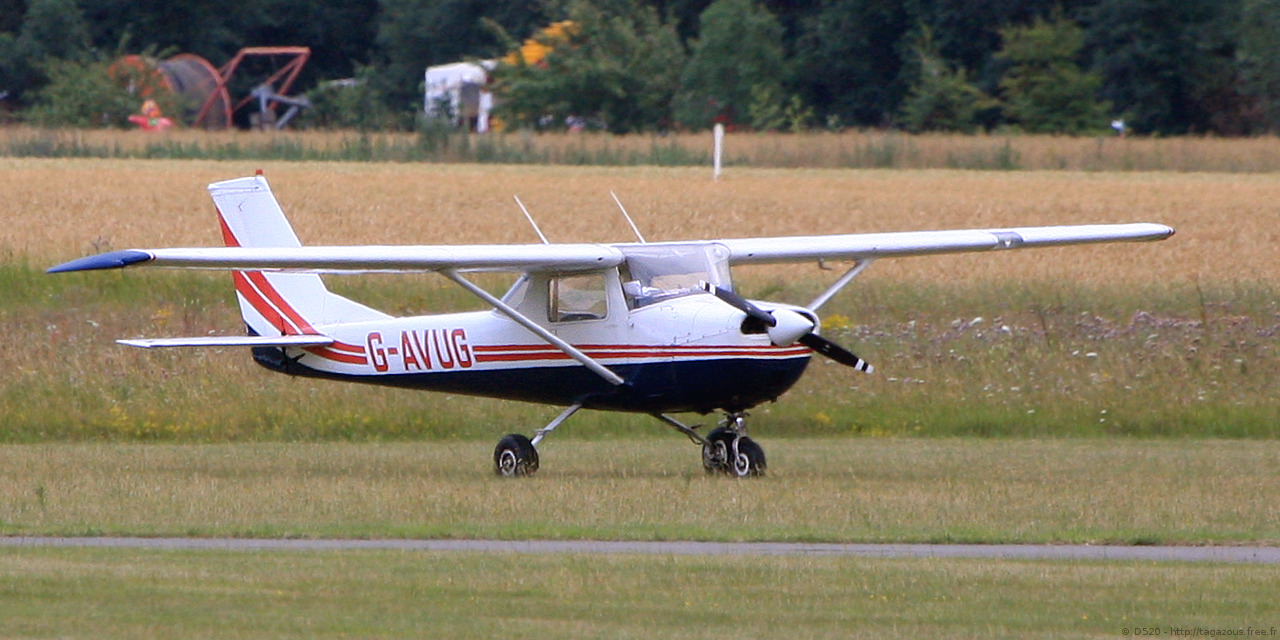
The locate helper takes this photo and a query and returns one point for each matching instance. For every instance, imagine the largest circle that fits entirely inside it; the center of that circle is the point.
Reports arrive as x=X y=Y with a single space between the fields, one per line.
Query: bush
x=356 y=103
x=95 y=94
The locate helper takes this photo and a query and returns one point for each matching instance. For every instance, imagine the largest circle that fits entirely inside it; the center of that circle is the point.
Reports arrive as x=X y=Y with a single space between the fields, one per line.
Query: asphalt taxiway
x=1250 y=555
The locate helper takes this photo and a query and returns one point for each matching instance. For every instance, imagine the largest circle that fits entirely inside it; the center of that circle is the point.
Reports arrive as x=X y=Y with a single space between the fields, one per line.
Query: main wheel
x=515 y=456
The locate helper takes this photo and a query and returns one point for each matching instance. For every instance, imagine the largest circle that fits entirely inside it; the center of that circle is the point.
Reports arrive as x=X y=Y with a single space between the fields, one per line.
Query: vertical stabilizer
x=274 y=304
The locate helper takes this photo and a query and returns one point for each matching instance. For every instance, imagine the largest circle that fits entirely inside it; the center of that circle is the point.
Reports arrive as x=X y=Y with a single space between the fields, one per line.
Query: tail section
x=275 y=304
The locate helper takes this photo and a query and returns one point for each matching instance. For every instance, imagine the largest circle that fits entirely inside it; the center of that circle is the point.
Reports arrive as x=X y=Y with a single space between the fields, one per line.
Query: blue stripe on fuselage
x=731 y=384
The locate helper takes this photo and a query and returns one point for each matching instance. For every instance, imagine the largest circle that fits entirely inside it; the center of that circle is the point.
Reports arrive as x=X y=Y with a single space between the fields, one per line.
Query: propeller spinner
x=786 y=327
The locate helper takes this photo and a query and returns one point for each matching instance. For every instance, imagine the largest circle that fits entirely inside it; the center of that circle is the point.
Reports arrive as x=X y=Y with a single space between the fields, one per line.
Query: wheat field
x=1227 y=223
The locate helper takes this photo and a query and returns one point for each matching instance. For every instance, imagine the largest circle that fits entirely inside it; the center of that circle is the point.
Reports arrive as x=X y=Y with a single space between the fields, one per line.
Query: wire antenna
x=628 y=217
x=530 y=219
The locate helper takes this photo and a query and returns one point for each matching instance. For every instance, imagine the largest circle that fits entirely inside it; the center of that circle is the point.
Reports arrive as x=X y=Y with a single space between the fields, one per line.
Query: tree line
x=1164 y=67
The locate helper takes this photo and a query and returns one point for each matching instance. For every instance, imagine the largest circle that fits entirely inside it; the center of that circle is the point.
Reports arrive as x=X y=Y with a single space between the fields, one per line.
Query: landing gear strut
x=727 y=449
x=517 y=455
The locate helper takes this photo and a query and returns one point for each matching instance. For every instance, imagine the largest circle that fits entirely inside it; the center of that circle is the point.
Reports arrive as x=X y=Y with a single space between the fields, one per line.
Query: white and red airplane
x=652 y=328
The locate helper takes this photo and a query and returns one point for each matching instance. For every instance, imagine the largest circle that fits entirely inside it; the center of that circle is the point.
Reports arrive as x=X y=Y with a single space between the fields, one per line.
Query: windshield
x=659 y=272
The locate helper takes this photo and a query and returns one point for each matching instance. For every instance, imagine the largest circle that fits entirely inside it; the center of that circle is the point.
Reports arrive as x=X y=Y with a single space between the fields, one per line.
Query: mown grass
x=88 y=593
x=958 y=490
x=847 y=150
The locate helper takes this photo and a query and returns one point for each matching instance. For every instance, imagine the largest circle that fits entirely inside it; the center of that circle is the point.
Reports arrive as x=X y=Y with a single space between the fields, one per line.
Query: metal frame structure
x=284 y=76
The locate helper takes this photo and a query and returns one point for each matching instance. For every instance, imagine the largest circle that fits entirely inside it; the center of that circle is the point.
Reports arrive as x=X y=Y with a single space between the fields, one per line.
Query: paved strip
x=1251 y=555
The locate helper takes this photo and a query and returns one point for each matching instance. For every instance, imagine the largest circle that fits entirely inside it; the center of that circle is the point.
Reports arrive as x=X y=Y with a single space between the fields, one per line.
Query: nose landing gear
x=728 y=450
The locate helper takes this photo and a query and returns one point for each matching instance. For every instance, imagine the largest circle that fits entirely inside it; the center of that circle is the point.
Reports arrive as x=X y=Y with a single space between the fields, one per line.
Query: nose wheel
x=728 y=450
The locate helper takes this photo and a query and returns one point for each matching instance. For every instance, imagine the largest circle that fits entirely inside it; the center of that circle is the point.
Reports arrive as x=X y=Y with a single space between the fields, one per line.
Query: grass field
x=1172 y=338
x=1126 y=394
x=82 y=593
x=1177 y=491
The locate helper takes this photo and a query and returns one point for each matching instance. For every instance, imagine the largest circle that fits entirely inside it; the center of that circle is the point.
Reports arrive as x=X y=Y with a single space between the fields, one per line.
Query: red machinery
x=196 y=82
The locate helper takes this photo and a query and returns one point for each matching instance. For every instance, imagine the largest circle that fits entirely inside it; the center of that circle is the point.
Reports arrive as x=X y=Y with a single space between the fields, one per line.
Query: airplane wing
x=582 y=257
x=866 y=246
x=358 y=259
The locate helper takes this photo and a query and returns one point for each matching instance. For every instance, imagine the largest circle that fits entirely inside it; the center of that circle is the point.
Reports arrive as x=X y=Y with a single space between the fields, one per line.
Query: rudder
x=273 y=303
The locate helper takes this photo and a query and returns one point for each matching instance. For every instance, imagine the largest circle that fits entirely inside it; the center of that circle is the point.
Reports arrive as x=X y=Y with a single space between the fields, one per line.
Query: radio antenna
x=530 y=219
x=628 y=217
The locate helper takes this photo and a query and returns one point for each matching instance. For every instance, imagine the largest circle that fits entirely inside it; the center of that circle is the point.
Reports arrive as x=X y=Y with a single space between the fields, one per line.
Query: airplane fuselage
x=685 y=354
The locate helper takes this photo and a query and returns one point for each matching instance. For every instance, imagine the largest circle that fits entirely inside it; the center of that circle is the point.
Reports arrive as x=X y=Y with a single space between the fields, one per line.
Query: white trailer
x=459 y=92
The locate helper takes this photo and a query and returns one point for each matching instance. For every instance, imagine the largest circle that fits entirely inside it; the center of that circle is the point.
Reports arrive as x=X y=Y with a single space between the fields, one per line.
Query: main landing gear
x=726 y=450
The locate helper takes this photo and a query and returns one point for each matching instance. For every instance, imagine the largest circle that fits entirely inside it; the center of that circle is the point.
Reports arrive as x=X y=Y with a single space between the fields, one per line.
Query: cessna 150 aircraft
x=652 y=328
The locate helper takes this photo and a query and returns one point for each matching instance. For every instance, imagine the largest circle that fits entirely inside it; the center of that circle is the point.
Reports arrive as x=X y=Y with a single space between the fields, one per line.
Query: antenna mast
x=530 y=219
x=628 y=217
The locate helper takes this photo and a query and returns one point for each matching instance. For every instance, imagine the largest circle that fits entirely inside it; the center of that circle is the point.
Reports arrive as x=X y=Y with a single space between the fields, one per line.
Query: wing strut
x=524 y=321
x=839 y=284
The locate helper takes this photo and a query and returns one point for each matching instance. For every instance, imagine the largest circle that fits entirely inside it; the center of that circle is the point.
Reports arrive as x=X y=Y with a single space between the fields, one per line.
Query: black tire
x=726 y=452
x=716 y=452
x=515 y=456
x=749 y=460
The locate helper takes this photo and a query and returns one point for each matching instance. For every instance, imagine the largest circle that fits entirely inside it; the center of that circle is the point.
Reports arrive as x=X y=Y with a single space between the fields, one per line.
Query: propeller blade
x=809 y=339
x=741 y=303
x=835 y=352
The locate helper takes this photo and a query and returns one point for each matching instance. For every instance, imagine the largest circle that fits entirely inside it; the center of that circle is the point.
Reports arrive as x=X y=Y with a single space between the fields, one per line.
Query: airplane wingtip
x=112 y=260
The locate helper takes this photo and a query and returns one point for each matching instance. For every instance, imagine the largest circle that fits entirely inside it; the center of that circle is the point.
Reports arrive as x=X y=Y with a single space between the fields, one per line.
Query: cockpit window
x=577 y=297
x=661 y=272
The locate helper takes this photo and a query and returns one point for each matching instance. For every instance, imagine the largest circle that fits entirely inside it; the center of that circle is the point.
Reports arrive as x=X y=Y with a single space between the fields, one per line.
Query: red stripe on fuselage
x=533 y=353
x=330 y=354
x=348 y=348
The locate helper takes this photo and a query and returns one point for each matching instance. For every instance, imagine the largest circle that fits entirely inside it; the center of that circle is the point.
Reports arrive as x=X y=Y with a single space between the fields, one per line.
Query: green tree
x=1044 y=89
x=50 y=30
x=1259 y=58
x=1168 y=65
x=82 y=94
x=56 y=29
x=850 y=65
x=415 y=34
x=620 y=66
x=739 y=51
x=942 y=98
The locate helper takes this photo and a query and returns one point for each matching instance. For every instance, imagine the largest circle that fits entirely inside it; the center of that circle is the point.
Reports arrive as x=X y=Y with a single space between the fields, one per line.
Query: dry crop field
x=1163 y=338
x=845 y=149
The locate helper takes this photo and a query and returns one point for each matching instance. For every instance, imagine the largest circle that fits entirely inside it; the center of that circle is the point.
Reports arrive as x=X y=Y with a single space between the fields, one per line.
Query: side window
x=577 y=297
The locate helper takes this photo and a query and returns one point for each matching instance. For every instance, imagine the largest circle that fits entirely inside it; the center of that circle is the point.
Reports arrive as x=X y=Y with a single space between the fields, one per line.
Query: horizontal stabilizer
x=233 y=341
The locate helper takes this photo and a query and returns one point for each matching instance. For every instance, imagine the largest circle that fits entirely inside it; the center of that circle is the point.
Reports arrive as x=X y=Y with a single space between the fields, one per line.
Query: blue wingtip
x=112 y=260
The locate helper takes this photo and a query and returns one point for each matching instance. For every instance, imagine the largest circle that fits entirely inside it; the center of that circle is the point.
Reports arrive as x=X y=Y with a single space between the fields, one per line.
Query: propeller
x=785 y=327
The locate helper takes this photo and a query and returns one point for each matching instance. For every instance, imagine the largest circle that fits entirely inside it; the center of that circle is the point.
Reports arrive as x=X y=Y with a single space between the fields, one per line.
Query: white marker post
x=718 y=135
